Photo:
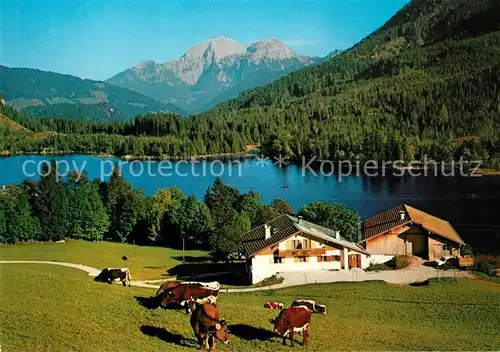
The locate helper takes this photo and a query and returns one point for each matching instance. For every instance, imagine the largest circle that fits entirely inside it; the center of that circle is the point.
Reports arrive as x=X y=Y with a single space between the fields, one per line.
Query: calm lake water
x=471 y=205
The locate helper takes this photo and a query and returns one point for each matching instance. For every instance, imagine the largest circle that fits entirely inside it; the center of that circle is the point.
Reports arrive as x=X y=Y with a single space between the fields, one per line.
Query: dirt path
x=406 y=276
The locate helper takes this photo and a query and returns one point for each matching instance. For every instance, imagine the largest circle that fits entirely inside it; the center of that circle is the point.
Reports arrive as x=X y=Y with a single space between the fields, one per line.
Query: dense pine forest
x=426 y=83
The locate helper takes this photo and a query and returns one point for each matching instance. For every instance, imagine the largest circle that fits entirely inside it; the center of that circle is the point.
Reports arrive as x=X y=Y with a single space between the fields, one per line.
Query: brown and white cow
x=166 y=286
x=293 y=320
x=273 y=305
x=113 y=274
x=208 y=326
x=185 y=293
x=311 y=305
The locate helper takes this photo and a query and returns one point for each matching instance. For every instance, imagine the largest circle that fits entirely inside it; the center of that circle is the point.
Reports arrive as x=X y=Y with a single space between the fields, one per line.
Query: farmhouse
x=405 y=230
x=288 y=243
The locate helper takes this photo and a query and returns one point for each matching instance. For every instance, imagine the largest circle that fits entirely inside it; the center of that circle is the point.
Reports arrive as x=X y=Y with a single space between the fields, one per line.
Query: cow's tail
x=129 y=277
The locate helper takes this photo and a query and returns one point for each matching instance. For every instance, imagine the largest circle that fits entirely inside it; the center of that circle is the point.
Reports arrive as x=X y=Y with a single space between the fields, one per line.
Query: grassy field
x=145 y=263
x=47 y=308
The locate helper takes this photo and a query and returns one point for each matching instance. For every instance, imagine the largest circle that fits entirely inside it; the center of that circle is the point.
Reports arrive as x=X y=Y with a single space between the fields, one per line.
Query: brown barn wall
x=436 y=250
x=391 y=243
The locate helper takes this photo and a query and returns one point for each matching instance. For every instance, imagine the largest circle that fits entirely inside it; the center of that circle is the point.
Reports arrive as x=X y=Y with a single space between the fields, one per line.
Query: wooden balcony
x=306 y=252
x=466 y=261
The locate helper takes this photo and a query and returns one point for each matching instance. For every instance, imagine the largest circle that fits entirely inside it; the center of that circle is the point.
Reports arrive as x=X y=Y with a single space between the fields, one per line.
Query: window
x=329 y=258
x=446 y=247
x=277 y=260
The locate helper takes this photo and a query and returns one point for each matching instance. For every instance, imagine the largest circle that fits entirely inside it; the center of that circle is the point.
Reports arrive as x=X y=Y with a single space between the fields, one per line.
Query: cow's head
x=167 y=298
x=221 y=331
x=321 y=308
x=189 y=305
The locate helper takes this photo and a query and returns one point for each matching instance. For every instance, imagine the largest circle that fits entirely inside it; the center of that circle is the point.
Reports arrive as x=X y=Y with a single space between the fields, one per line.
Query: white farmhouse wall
x=263 y=267
x=333 y=252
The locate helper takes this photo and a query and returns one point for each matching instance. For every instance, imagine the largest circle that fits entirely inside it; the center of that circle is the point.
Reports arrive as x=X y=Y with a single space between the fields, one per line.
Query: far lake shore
x=248 y=154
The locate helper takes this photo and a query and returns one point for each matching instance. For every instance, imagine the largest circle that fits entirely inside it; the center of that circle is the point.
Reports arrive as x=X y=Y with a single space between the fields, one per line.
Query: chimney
x=299 y=219
x=402 y=215
x=267 y=229
x=337 y=235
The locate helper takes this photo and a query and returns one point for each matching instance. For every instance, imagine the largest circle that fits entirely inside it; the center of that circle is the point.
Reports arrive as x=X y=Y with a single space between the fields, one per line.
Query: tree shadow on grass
x=247 y=332
x=420 y=283
x=148 y=302
x=191 y=259
x=154 y=302
x=167 y=336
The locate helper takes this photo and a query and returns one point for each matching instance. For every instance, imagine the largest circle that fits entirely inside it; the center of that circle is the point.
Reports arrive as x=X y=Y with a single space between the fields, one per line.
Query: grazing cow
x=213 y=285
x=292 y=320
x=274 y=305
x=185 y=292
x=166 y=286
x=112 y=274
x=208 y=326
x=311 y=305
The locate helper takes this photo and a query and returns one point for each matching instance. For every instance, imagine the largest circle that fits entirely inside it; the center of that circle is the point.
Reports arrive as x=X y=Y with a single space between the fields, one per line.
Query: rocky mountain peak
x=145 y=65
x=215 y=49
x=272 y=49
x=217 y=69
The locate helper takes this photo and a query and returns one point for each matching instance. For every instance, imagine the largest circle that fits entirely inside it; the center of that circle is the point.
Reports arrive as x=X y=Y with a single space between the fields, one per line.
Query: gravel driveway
x=406 y=276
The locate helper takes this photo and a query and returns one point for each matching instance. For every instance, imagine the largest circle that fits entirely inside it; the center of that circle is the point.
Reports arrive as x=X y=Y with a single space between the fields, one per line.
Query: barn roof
x=286 y=226
x=387 y=220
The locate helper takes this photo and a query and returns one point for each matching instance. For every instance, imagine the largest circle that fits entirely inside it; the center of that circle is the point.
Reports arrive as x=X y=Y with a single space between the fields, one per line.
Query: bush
x=400 y=261
x=378 y=267
x=488 y=268
x=396 y=263
x=467 y=250
x=271 y=280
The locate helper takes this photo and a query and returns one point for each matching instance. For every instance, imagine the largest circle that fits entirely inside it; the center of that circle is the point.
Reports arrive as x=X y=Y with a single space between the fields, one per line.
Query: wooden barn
x=405 y=230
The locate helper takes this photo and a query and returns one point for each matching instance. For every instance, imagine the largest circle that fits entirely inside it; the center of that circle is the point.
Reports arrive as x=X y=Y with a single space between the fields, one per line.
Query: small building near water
x=405 y=230
x=290 y=244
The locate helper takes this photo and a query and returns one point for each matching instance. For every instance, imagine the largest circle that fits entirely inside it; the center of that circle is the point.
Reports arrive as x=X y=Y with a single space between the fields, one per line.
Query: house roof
x=286 y=226
x=387 y=220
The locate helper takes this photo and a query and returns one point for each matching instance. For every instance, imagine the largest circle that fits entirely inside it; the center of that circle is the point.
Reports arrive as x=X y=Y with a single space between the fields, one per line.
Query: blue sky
x=99 y=38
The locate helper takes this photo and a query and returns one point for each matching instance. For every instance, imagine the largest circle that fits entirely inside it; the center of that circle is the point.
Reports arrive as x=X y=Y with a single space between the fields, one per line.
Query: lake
x=470 y=204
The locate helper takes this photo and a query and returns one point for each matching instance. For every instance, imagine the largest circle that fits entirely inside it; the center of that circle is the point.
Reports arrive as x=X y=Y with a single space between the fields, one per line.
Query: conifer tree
x=51 y=204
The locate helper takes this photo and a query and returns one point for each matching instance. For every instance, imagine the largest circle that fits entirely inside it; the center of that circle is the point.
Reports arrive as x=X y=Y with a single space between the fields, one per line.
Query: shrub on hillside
x=400 y=262
x=271 y=280
x=486 y=267
x=378 y=267
x=466 y=250
x=396 y=263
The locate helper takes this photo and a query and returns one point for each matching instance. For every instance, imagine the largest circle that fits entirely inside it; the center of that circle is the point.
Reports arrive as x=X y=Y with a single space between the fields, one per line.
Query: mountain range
x=213 y=71
x=42 y=93
x=207 y=74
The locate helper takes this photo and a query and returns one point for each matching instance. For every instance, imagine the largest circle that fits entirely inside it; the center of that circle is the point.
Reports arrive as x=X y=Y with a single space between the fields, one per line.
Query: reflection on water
x=470 y=204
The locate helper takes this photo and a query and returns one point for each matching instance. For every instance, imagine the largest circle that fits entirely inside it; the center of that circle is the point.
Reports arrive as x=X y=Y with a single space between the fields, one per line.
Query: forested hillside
x=427 y=77
x=41 y=93
x=424 y=83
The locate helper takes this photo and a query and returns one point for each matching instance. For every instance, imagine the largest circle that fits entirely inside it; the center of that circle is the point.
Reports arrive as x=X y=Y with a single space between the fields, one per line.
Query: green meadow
x=145 y=263
x=50 y=308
